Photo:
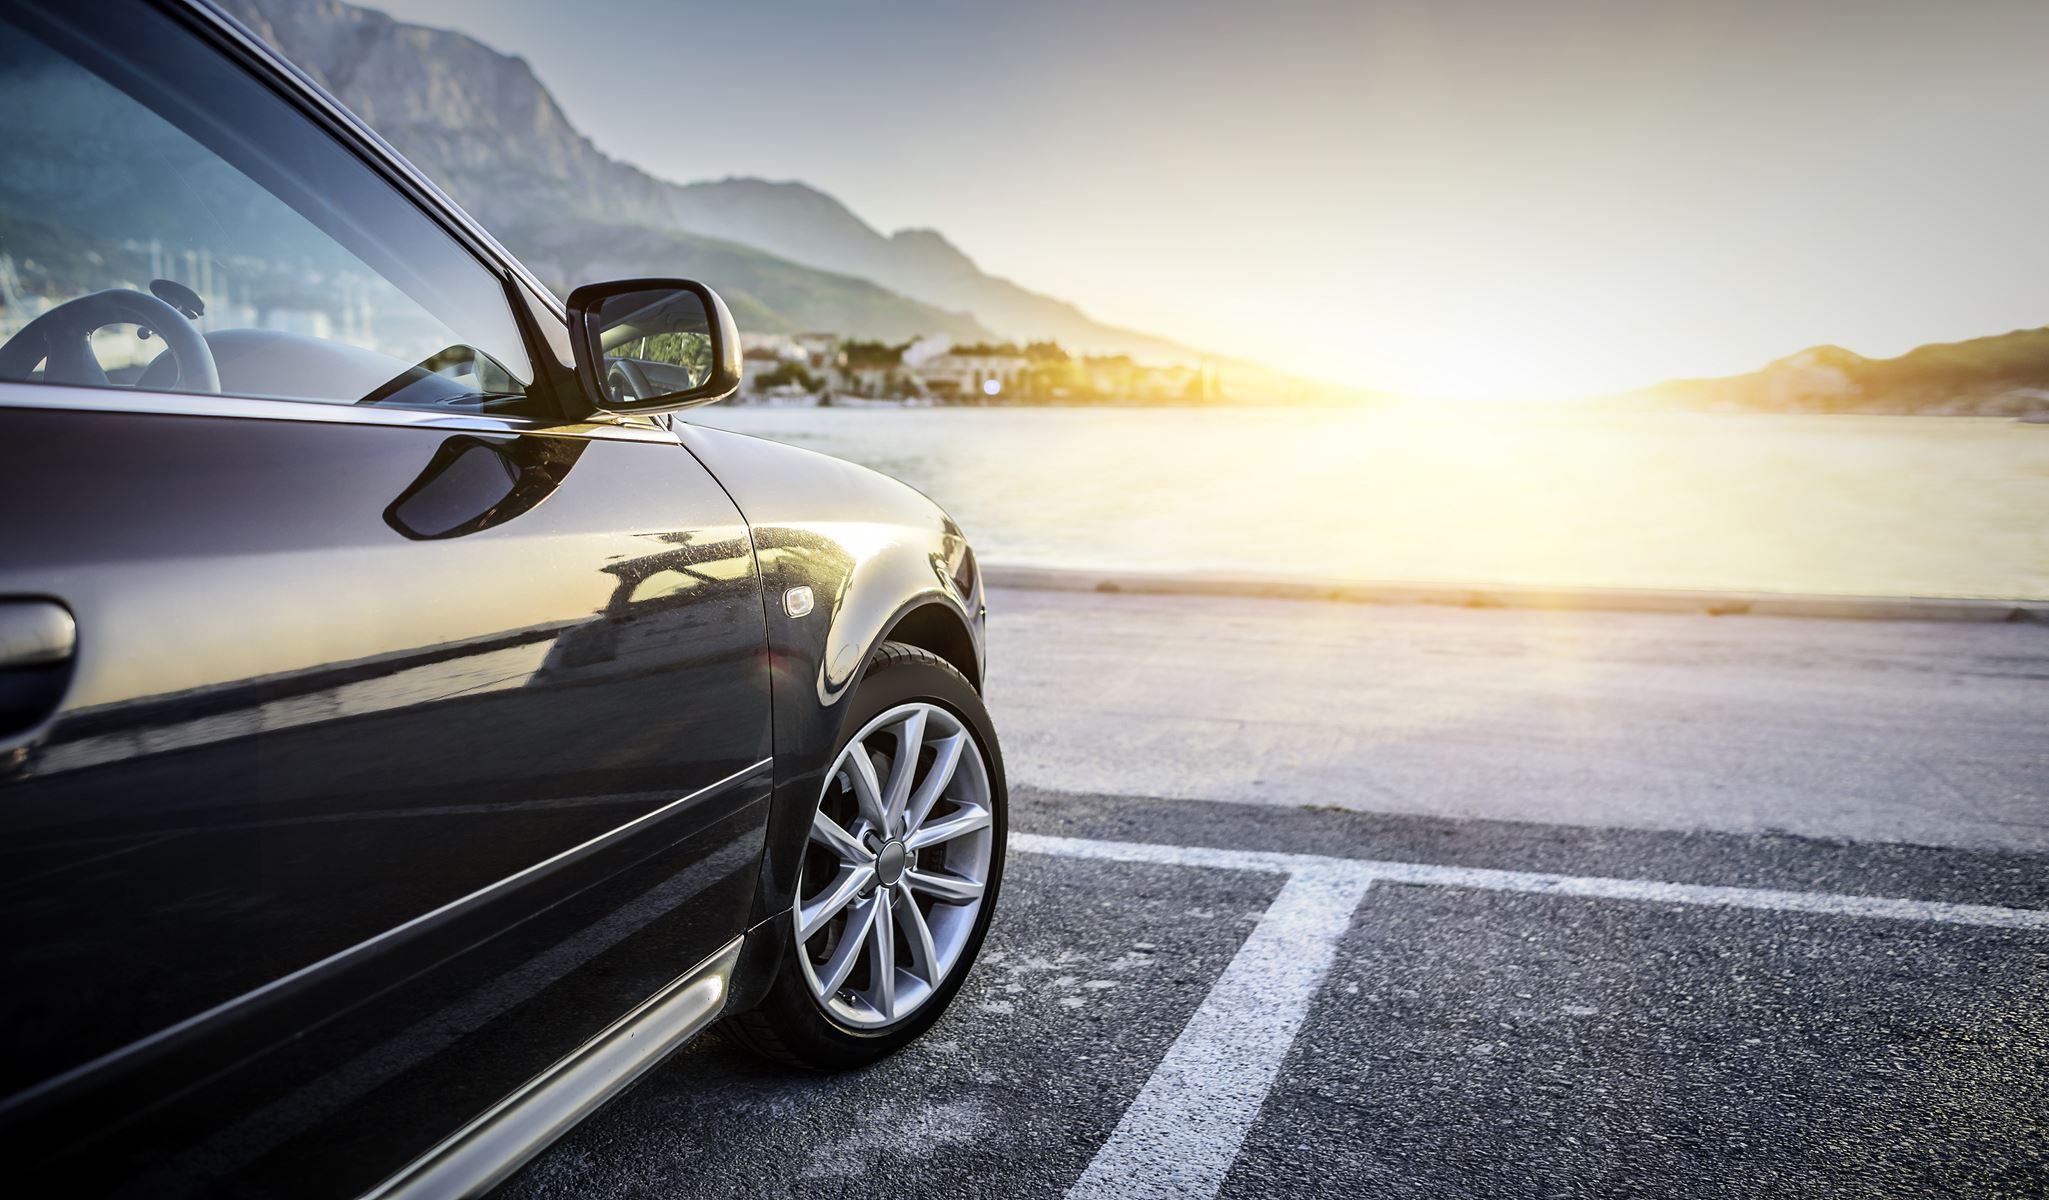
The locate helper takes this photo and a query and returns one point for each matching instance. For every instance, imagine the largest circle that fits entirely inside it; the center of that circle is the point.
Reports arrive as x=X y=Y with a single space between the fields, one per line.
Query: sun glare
x=1499 y=366
x=1437 y=346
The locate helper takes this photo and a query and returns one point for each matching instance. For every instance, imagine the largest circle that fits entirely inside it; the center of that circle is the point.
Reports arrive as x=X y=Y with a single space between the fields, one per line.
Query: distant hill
x=806 y=225
x=2003 y=375
x=482 y=125
x=777 y=296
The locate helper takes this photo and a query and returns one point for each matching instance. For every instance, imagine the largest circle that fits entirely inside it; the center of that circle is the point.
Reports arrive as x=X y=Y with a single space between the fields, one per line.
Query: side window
x=169 y=224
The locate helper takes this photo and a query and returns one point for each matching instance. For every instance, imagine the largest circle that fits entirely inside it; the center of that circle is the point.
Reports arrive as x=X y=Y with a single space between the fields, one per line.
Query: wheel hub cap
x=889 y=864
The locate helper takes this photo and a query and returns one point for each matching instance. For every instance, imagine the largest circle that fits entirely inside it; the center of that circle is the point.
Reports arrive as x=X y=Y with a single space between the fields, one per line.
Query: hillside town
x=827 y=369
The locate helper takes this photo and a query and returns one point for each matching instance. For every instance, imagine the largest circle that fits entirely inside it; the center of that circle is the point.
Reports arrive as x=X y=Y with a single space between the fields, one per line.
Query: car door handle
x=37 y=640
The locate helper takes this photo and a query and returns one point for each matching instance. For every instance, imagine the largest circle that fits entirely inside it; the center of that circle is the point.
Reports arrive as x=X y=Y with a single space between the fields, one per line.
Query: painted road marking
x=1183 y=1131
x=1181 y=1134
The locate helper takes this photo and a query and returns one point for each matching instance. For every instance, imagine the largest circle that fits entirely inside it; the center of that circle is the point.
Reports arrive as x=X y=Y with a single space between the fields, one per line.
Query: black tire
x=790 y=1026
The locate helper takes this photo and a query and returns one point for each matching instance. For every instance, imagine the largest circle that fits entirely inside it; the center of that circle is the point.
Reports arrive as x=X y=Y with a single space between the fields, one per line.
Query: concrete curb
x=1762 y=604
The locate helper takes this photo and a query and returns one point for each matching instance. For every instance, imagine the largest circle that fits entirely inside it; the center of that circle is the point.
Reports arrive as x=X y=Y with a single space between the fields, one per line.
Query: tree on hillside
x=789 y=373
x=874 y=354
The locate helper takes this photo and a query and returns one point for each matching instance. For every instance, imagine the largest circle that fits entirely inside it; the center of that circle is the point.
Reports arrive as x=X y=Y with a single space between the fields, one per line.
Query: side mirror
x=652 y=345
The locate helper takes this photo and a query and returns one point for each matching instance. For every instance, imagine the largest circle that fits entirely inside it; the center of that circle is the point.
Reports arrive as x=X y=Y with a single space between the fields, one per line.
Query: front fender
x=872 y=551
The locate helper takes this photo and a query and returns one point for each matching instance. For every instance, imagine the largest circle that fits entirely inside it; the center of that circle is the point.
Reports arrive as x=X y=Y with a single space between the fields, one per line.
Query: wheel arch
x=936 y=626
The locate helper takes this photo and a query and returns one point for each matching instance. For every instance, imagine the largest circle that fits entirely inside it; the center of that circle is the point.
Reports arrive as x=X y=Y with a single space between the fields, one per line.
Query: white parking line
x=1183 y=1131
x=1181 y=1134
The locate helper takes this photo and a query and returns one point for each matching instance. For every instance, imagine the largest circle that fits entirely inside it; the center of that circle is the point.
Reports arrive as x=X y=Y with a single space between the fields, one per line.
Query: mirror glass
x=656 y=343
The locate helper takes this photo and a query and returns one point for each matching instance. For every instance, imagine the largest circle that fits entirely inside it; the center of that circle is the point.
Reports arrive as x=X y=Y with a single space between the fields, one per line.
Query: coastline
x=1563 y=599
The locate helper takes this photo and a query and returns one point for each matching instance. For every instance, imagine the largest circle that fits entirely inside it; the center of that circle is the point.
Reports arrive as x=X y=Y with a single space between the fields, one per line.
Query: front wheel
x=900 y=874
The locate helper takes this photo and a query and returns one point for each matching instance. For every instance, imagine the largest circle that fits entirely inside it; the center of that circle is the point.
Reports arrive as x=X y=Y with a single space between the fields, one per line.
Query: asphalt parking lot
x=1195 y=995
x=1460 y=1040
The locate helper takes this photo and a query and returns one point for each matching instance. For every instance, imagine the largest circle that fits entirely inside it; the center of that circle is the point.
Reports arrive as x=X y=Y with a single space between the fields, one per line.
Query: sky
x=1475 y=198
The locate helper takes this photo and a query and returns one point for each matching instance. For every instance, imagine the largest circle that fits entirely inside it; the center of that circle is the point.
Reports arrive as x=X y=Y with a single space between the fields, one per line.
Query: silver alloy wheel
x=897 y=863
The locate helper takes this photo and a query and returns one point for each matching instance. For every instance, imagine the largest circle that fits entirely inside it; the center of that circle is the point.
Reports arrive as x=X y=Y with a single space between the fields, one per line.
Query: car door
x=371 y=735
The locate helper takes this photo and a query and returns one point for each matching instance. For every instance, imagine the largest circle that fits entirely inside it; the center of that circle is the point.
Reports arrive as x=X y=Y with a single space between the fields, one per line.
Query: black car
x=408 y=734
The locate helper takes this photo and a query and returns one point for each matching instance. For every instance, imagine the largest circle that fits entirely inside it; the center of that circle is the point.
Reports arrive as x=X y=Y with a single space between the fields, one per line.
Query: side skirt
x=484 y=1152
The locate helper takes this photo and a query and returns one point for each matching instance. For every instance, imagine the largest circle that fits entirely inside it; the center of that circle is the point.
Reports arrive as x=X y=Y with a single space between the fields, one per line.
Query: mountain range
x=786 y=256
x=2004 y=375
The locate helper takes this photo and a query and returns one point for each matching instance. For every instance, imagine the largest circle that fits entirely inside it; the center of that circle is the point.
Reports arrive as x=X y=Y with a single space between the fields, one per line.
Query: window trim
x=67 y=397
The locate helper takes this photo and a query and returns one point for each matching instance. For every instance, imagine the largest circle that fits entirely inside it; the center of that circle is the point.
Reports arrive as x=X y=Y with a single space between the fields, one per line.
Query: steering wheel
x=61 y=339
x=624 y=380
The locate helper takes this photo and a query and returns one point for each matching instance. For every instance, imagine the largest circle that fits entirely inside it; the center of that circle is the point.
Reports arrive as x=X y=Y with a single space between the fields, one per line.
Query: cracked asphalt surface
x=1470 y=1042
